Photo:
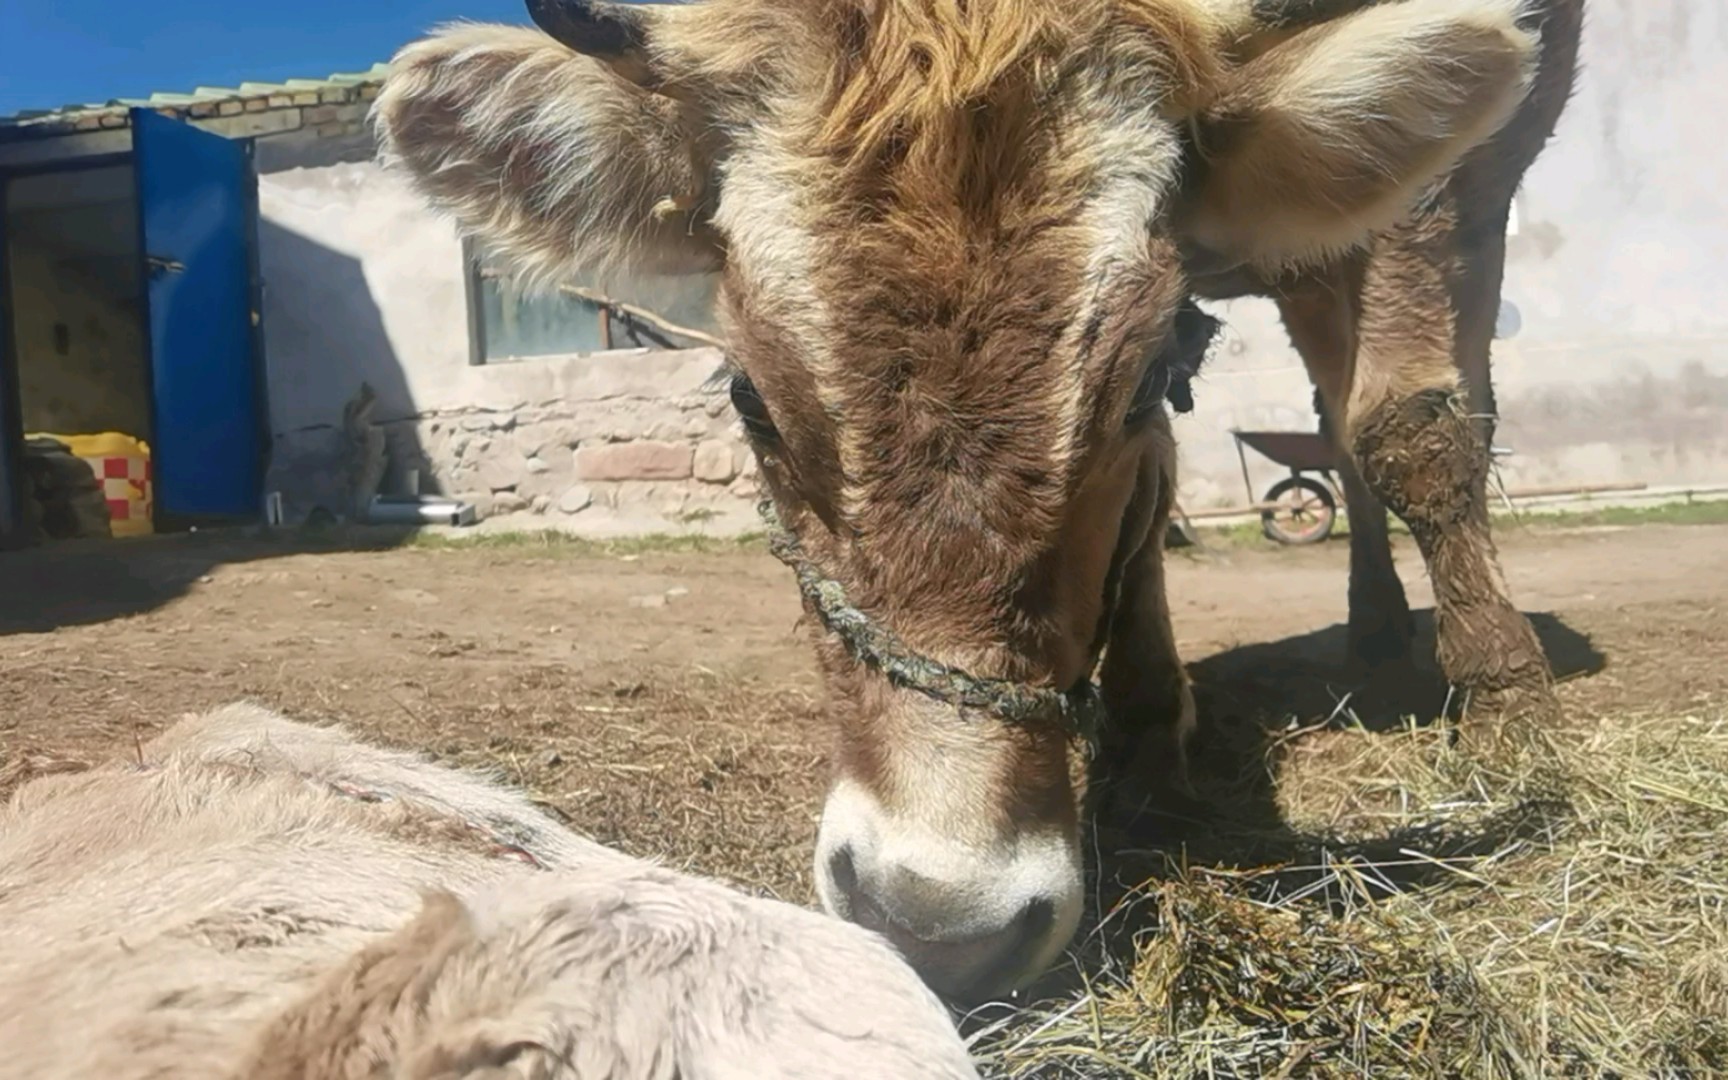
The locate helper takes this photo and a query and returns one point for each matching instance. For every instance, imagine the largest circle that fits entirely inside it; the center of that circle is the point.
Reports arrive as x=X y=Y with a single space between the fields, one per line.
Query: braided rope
x=1078 y=712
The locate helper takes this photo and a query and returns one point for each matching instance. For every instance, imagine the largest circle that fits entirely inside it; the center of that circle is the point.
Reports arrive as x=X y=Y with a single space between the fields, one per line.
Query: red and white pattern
x=126 y=484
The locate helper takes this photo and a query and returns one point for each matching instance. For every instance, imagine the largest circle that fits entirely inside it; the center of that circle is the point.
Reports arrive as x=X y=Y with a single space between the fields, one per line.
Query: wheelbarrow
x=1302 y=507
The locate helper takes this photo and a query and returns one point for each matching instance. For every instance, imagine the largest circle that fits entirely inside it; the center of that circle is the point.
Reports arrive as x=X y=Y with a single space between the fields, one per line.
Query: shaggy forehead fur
x=942 y=260
x=890 y=62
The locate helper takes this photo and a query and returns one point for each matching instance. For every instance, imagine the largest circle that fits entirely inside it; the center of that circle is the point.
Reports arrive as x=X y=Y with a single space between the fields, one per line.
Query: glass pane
x=518 y=324
x=514 y=325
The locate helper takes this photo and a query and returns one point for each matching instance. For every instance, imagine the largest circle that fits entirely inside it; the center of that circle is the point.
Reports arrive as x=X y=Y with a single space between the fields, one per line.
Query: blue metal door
x=197 y=208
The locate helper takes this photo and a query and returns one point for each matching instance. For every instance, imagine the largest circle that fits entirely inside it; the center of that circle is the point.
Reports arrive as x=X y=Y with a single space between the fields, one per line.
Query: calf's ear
x=1334 y=131
x=581 y=154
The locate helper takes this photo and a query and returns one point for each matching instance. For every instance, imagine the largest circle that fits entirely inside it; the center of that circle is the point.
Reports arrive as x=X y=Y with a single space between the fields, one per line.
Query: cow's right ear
x=576 y=156
x=617 y=35
x=1335 y=130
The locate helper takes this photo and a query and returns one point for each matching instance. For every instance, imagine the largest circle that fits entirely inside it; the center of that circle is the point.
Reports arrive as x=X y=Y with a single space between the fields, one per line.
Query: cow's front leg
x=1319 y=313
x=1409 y=428
x=1146 y=689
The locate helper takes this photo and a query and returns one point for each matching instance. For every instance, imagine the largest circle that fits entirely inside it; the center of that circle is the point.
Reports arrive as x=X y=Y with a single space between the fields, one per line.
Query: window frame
x=619 y=329
x=473 y=282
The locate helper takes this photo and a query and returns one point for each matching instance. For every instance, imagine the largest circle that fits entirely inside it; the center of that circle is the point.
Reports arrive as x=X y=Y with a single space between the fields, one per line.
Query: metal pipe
x=1527 y=493
x=1585 y=489
x=399 y=511
x=1242 y=456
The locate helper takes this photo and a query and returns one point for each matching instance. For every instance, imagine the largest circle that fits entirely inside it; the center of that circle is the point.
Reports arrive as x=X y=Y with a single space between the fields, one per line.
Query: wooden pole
x=659 y=322
x=629 y=311
x=1588 y=489
x=1527 y=493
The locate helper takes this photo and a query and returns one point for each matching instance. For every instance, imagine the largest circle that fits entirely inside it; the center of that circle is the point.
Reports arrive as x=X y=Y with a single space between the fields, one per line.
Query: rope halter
x=1078 y=711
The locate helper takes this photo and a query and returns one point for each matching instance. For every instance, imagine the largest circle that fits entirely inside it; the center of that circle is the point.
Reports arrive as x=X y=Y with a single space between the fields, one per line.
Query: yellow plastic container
x=122 y=465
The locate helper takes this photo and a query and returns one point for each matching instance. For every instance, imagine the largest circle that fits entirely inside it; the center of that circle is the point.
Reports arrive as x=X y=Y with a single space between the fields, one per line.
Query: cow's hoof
x=1380 y=640
x=1512 y=722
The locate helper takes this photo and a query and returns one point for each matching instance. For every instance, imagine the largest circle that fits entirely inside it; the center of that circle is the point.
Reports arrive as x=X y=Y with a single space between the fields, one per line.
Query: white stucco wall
x=1622 y=370
x=359 y=284
x=363 y=283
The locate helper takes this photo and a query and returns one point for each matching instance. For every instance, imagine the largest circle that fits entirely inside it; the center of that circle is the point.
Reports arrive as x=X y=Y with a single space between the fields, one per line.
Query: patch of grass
x=1416 y=935
x=1697 y=512
x=1244 y=535
x=552 y=541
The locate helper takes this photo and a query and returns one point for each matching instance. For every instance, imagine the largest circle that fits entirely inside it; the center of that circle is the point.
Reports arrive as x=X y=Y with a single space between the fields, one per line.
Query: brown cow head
x=954 y=237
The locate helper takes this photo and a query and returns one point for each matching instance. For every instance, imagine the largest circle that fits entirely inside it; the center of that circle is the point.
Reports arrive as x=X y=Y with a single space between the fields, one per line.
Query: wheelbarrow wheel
x=1304 y=513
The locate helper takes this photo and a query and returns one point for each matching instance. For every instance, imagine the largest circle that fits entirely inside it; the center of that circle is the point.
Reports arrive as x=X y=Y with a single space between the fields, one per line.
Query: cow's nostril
x=843 y=876
x=1037 y=920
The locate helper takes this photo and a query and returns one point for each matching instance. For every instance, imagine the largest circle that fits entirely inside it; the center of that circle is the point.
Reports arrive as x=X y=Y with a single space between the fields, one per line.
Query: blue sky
x=55 y=52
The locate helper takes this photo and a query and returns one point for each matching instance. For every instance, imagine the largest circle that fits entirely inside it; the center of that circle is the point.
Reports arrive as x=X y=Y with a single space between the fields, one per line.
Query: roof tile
x=203 y=101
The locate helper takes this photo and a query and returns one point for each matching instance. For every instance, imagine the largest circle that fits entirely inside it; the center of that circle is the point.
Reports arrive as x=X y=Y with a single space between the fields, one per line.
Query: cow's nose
x=934 y=926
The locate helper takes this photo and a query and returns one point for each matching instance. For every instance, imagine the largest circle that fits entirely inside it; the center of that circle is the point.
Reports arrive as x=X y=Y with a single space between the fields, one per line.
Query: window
x=508 y=324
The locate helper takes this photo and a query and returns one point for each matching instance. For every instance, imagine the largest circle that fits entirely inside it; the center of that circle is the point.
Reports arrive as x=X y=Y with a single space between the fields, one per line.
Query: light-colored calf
x=250 y=896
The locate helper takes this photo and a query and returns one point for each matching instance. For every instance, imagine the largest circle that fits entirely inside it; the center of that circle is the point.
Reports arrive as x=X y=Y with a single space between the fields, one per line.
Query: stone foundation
x=602 y=463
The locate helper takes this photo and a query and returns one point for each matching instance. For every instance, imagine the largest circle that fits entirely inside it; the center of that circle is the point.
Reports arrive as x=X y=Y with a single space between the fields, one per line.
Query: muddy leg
x=1319 y=314
x=1144 y=683
x=1409 y=424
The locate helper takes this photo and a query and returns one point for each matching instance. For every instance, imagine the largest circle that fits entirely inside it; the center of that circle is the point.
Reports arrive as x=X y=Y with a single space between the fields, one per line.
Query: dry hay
x=1436 y=912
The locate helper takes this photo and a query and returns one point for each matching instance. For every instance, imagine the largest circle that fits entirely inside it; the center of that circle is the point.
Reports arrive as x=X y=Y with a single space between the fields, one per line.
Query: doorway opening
x=80 y=341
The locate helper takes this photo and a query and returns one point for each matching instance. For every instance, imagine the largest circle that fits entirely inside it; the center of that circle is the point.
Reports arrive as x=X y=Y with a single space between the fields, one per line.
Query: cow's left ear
x=582 y=155
x=1334 y=131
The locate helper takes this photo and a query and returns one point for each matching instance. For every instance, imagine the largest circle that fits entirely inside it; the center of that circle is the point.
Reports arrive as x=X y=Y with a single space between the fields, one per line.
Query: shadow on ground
x=1250 y=700
x=80 y=582
x=1304 y=678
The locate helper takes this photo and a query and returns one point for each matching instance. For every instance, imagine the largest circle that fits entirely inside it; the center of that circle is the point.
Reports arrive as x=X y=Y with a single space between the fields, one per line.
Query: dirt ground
x=666 y=702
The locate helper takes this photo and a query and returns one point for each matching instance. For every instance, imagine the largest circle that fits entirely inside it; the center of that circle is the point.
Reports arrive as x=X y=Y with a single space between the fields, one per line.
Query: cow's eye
x=752 y=409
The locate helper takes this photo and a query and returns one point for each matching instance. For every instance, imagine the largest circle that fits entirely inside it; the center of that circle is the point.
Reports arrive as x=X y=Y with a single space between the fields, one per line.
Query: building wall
x=363 y=285
x=1620 y=370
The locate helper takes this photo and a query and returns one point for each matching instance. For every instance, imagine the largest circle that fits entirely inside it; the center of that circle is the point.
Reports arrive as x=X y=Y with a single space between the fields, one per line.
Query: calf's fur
x=238 y=900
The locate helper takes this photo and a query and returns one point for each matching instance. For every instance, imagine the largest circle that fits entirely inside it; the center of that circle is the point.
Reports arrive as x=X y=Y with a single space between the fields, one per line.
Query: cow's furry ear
x=410 y=1003
x=1334 y=132
x=547 y=158
x=355 y=1014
